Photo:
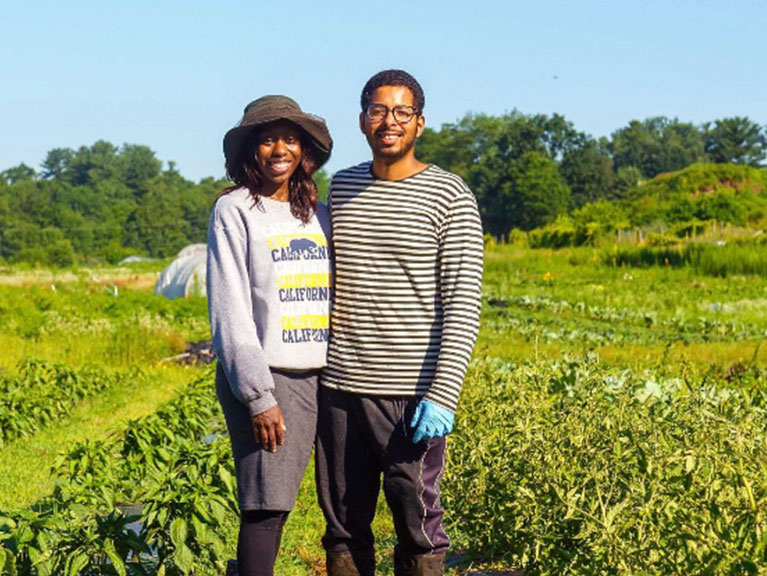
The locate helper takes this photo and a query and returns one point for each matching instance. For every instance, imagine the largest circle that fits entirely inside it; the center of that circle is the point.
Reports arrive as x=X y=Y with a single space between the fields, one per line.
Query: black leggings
x=259 y=541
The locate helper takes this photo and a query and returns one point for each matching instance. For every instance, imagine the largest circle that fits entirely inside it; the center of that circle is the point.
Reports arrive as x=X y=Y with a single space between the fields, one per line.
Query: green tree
x=57 y=163
x=94 y=164
x=157 y=225
x=18 y=173
x=493 y=154
x=737 y=140
x=322 y=180
x=558 y=135
x=98 y=202
x=628 y=177
x=588 y=171
x=138 y=165
x=657 y=145
x=540 y=193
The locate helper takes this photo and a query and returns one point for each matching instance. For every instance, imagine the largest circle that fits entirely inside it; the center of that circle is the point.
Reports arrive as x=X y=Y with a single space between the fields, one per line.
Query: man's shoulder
x=358 y=171
x=449 y=183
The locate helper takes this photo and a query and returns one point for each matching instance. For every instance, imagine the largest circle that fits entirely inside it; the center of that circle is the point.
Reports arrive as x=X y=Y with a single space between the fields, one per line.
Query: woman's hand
x=269 y=428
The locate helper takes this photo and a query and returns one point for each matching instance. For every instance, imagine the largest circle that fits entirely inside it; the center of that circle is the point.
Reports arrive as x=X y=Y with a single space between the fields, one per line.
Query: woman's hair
x=302 y=193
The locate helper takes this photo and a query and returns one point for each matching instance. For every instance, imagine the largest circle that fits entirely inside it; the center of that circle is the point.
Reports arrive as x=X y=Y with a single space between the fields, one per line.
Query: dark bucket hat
x=269 y=109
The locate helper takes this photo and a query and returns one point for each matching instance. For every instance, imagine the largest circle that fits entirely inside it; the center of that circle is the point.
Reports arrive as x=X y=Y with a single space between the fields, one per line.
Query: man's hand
x=431 y=421
x=269 y=428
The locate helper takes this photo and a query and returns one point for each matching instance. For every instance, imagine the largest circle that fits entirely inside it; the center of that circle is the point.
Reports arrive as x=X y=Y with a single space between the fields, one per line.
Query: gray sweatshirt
x=269 y=292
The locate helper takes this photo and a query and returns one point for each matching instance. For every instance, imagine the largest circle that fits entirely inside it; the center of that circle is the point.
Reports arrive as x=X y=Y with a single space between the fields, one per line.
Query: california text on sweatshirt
x=269 y=286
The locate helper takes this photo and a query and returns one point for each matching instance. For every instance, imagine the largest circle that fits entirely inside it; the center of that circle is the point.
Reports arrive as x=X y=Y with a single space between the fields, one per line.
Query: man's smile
x=388 y=137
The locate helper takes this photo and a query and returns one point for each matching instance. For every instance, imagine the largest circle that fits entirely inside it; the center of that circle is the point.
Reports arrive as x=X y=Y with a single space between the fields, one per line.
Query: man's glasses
x=402 y=114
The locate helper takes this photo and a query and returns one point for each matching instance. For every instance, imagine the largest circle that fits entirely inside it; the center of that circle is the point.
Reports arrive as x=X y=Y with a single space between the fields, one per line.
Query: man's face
x=388 y=138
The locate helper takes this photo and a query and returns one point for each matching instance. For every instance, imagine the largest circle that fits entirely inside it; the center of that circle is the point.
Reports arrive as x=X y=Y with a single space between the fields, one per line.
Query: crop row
x=151 y=500
x=567 y=467
x=550 y=319
x=43 y=392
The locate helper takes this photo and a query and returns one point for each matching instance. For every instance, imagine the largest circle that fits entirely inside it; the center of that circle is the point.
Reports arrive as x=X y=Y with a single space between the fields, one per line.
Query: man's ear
x=420 y=125
x=362 y=122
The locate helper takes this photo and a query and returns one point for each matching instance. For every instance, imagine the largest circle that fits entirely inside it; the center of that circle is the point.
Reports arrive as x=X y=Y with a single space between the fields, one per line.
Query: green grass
x=81 y=322
x=564 y=302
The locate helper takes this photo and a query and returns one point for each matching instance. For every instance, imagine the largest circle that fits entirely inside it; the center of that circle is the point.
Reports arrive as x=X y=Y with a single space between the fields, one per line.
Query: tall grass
x=721 y=260
x=82 y=323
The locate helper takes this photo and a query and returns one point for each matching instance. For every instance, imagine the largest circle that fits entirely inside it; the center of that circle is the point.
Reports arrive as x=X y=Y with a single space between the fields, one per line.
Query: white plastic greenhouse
x=185 y=276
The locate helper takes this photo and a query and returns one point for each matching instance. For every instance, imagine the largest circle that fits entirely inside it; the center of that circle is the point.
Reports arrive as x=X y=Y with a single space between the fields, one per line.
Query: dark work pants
x=359 y=439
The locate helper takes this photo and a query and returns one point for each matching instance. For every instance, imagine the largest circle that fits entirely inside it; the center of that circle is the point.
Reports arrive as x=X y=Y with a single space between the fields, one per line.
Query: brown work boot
x=351 y=563
x=419 y=565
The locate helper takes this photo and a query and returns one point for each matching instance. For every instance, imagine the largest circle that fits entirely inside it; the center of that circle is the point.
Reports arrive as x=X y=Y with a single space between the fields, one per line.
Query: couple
x=403 y=273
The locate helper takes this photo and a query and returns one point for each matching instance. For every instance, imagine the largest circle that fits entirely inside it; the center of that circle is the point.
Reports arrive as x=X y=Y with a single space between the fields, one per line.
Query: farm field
x=612 y=422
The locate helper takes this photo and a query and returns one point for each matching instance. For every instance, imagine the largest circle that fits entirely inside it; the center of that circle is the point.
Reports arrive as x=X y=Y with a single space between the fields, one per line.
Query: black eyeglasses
x=402 y=114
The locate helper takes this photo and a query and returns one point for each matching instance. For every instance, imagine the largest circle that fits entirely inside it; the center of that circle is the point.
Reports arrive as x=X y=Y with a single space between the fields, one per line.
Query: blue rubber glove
x=431 y=421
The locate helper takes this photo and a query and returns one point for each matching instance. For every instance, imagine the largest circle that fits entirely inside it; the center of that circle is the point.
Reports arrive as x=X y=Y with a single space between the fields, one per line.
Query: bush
x=558 y=234
x=690 y=228
x=722 y=207
x=654 y=239
x=518 y=237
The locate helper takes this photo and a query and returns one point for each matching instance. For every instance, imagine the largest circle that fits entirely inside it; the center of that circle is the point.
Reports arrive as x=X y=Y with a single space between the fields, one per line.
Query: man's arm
x=460 y=260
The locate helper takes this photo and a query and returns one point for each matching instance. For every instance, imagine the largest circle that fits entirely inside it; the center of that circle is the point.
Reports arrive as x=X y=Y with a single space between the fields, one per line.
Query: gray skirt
x=266 y=480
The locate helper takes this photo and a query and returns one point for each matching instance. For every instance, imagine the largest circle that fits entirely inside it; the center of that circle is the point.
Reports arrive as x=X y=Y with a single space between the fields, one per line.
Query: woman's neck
x=279 y=193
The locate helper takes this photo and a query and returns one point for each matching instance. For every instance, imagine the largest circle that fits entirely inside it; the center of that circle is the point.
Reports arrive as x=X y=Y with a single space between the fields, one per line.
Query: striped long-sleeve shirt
x=408 y=283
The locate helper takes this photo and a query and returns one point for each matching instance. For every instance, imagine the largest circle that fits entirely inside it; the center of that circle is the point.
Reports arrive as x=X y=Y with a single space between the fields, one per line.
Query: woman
x=269 y=283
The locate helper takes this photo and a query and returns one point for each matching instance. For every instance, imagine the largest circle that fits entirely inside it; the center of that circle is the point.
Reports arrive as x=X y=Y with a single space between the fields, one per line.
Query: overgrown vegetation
x=569 y=467
x=95 y=319
x=703 y=202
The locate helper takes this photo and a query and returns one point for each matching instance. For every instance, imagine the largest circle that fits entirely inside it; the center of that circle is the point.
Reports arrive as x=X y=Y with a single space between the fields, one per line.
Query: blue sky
x=176 y=75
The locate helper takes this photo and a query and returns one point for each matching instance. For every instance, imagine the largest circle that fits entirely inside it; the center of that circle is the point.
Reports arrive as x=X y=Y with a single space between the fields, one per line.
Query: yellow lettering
x=316 y=321
x=312 y=280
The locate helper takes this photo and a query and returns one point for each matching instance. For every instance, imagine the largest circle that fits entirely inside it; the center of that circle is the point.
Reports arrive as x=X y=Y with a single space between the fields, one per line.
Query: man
x=408 y=248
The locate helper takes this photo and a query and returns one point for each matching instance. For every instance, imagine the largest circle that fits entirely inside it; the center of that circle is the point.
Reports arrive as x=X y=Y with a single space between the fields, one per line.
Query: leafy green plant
x=175 y=463
x=43 y=392
x=572 y=468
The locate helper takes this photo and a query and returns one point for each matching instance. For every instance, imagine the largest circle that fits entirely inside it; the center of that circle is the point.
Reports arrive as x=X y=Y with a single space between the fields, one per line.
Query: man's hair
x=393 y=78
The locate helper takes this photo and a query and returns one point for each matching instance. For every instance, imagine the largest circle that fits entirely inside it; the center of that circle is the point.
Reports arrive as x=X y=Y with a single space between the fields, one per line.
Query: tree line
x=101 y=203
x=525 y=170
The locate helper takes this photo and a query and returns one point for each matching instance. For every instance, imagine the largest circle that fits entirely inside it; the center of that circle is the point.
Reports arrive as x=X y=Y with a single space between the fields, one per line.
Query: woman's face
x=278 y=151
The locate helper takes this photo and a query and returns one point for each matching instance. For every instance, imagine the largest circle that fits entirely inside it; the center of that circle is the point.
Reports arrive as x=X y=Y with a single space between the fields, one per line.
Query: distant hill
x=683 y=203
x=729 y=193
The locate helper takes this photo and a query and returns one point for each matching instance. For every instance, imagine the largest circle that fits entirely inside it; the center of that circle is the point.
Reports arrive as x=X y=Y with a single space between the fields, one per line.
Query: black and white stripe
x=408 y=275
